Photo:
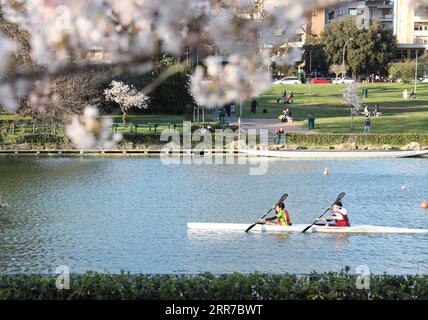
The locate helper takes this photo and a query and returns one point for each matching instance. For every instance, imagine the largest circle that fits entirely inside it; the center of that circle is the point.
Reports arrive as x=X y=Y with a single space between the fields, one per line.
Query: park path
x=270 y=124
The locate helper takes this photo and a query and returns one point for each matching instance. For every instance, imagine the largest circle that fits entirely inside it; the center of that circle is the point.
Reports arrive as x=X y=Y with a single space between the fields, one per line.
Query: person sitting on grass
x=289 y=99
x=376 y=111
x=281 y=216
x=286 y=113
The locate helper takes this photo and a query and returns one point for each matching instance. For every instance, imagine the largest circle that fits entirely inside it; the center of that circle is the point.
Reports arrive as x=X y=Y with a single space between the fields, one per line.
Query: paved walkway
x=270 y=124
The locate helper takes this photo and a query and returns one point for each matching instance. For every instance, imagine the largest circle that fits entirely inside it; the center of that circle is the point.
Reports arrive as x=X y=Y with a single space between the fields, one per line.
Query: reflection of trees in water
x=36 y=185
x=41 y=174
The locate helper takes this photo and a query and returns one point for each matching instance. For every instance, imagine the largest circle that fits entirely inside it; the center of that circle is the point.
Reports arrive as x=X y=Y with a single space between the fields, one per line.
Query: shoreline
x=195 y=152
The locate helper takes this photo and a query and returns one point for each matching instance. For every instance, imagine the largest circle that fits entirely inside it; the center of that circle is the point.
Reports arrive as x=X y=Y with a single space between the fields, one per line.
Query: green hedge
x=315 y=139
x=329 y=139
x=207 y=286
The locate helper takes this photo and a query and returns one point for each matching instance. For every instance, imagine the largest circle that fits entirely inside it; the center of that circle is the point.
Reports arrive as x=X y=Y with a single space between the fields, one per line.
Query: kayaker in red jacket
x=339 y=216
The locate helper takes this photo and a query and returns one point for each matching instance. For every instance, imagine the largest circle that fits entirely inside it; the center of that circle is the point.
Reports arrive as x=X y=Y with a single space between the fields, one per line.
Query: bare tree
x=338 y=69
x=56 y=101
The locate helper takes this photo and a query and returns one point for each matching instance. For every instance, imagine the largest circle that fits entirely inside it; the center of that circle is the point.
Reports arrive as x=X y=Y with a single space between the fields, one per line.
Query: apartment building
x=411 y=29
x=410 y=25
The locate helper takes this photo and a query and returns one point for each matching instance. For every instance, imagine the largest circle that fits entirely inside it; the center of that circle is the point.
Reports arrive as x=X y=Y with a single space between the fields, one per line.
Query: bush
x=333 y=286
x=328 y=139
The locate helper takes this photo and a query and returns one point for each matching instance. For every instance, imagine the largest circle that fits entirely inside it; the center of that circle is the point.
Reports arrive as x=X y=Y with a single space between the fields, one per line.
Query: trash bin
x=311 y=122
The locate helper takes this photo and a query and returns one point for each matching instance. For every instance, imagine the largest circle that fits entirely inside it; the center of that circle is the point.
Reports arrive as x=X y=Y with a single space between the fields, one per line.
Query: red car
x=320 y=80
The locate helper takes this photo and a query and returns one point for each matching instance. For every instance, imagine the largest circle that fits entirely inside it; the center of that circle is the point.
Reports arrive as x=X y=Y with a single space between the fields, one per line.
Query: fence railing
x=22 y=127
x=30 y=127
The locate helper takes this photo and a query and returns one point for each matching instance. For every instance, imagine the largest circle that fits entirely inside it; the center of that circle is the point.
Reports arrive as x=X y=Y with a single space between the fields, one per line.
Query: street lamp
x=343 y=61
x=416 y=69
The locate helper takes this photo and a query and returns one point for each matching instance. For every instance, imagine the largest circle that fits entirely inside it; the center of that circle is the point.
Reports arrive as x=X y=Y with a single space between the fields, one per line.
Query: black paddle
x=339 y=197
x=283 y=197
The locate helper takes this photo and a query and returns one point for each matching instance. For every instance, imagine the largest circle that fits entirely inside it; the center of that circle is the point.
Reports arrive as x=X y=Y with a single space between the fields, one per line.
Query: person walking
x=278 y=134
x=366 y=110
x=283 y=95
x=367 y=124
x=254 y=105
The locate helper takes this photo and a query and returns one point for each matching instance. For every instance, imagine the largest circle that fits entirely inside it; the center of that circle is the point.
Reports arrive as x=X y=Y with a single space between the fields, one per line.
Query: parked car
x=321 y=80
x=425 y=80
x=343 y=80
x=288 y=80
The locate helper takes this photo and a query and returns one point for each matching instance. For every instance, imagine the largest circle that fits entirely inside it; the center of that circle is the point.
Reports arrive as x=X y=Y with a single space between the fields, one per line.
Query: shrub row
x=316 y=139
x=329 y=139
x=334 y=286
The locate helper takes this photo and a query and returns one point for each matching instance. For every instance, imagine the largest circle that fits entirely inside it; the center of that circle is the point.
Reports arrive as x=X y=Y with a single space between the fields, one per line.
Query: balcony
x=387 y=17
x=421 y=33
x=422 y=40
x=380 y=4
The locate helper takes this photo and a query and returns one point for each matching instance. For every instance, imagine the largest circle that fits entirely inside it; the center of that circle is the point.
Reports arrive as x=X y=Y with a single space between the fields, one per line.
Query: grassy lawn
x=324 y=101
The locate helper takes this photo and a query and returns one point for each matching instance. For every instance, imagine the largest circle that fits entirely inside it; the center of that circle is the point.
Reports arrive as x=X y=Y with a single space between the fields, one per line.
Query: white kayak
x=334 y=154
x=299 y=228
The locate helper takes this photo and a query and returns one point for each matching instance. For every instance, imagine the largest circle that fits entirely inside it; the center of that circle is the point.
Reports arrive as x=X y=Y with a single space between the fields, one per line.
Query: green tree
x=314 y=56
x=370 y=51
x=405 y=71
x=172 y=95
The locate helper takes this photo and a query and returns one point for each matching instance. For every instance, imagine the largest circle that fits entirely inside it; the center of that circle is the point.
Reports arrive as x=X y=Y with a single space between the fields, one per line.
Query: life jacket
x=283 y=218
x=345 y=221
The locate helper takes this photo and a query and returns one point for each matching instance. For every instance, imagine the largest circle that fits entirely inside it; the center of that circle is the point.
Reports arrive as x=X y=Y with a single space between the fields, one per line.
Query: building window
x=331 y=15
x=352 y=11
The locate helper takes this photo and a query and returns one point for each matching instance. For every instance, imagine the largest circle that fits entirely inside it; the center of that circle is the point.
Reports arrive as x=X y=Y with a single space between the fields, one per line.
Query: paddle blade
x=283 y=197
x=339 y=197
x=306 y=229
x=250 y=227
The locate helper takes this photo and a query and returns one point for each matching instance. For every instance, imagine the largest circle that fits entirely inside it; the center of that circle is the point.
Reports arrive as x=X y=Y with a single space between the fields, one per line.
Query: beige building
x=411 y=30
x=410 y=25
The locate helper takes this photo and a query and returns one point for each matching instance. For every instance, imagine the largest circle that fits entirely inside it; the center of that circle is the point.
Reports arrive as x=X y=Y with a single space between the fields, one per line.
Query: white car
x=343 y=80
x=288 y=80
x=425 y=80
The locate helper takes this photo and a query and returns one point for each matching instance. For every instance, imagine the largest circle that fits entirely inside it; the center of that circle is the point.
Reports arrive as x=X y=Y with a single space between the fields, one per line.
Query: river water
x=113 y=214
